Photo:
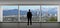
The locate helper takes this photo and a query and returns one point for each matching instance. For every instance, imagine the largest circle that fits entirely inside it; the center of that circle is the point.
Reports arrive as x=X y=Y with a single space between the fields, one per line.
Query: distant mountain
x=23 y=12
x=15 y=12
x=49 y=11
x=34 y=12
x=10 y=12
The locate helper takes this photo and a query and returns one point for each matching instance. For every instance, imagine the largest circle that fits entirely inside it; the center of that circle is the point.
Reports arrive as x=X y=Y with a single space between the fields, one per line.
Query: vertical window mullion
x=18 y=14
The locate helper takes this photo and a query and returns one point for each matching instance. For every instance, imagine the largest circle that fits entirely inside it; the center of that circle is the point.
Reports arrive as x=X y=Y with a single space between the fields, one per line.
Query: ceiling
x=39 y=0
x=29 y=1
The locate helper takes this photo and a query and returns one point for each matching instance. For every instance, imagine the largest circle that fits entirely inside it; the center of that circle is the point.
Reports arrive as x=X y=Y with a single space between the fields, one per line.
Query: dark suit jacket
x=29 y=15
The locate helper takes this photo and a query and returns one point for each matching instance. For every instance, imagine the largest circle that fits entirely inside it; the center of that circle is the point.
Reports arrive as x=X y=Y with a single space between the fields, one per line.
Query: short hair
x=29 y=9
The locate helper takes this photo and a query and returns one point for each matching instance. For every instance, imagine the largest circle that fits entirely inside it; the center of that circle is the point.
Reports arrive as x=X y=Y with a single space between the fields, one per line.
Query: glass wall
x=49 y=13
x=10 y=13
x=40 y=13
x=35 y=13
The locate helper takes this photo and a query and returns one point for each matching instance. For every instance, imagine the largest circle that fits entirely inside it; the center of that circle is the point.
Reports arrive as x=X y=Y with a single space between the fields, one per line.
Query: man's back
x=29 y=15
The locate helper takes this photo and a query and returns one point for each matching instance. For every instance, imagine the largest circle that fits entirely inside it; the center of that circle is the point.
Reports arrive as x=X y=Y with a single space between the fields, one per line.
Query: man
x=29 y=16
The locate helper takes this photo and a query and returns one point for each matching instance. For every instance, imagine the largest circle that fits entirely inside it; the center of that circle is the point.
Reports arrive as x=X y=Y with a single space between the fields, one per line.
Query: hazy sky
x=49 y=6
x=46 y=8
x=26 y=7
x=29 y=7
x=9 y=7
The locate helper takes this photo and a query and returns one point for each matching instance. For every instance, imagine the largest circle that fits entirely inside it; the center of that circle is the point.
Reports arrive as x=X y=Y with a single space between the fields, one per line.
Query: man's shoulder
x=28 y=12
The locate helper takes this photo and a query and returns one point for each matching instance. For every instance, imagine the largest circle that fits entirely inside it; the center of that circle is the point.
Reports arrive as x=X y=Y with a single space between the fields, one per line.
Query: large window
x=40 y=13
x=10 y=13
x=35 y=13
x=49 y=13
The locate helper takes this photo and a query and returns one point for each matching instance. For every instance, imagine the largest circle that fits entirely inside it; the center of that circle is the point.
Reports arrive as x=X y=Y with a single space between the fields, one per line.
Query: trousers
x=29 y=21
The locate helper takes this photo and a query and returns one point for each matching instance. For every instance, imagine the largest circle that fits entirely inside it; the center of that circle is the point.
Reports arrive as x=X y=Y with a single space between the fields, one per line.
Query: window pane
x=10 y=13
x=35 y=13
x=49 y=13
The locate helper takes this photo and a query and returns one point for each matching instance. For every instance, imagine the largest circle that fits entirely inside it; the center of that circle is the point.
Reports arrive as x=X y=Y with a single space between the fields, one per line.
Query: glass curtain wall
x=10 y=13
x=49 y=13
x=35 y=9
x=40 y=13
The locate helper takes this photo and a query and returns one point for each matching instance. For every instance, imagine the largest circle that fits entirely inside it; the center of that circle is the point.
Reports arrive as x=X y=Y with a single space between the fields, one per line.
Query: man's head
x=29 y=10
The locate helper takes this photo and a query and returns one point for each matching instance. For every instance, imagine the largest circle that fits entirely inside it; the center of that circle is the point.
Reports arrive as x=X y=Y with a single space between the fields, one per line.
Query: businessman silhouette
x=29 y=16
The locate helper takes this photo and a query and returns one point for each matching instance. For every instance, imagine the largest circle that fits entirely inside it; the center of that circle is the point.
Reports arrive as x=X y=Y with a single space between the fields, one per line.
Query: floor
x=34 y=25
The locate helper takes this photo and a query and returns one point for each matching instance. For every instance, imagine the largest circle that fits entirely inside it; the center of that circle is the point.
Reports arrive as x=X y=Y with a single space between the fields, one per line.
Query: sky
x=29 y=7
x=49 y=6
x=26 y=7
x=9 y=7
x=46 y=8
